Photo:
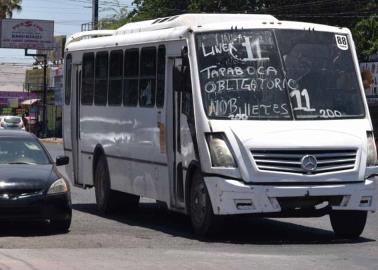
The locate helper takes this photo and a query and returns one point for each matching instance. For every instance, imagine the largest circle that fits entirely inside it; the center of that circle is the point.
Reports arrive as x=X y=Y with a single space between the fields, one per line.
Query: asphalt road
x=152 y=238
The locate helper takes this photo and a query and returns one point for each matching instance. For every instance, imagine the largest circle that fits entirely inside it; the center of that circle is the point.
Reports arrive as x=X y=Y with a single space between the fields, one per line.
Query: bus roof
x=185 y=21
x=190 y=21
x=169 y=28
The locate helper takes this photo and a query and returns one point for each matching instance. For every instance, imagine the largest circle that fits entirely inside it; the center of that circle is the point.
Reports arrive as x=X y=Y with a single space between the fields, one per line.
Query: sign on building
x=27 y=34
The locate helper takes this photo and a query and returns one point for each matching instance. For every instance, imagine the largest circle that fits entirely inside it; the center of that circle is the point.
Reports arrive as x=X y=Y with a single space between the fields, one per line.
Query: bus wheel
x=204 y=222
x=348 y=224
x=104 y=199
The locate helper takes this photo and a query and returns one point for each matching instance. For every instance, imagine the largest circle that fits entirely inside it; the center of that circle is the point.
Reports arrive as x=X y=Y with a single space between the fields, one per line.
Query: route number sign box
x=27 y=34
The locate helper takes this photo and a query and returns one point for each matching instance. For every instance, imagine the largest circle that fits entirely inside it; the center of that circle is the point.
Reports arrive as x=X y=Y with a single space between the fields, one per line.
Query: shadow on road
x=241 y=230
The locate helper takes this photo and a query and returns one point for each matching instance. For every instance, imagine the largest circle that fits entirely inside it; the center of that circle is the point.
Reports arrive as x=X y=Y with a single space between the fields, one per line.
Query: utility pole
x=44 y=111
x=95 y=14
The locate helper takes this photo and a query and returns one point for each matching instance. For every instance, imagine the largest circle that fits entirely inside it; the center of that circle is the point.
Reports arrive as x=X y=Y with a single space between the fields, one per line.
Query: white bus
x=222 y=114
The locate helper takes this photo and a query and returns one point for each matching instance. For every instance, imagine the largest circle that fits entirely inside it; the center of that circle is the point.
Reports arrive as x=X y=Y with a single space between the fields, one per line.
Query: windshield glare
x=21 y=151
x=278 y=74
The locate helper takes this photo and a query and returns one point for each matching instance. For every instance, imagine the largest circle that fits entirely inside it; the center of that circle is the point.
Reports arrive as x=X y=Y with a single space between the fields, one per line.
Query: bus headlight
x=59 y=186
x=371 y=150
x=221 y=155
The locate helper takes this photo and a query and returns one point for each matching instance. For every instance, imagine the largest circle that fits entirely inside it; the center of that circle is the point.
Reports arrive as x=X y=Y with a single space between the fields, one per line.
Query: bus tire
x=348 y=224
x=105 y=200
x=203 y=220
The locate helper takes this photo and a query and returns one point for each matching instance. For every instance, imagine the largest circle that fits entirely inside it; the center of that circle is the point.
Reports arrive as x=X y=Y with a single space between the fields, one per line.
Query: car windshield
x=12 y=120
x=278 y=74
x=21 y=151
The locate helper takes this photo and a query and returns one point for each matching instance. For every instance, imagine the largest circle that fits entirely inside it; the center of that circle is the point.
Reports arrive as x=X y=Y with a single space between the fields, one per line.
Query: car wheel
x=348 y=224
x=204 y=222
x=61 y=225
x=104 y=199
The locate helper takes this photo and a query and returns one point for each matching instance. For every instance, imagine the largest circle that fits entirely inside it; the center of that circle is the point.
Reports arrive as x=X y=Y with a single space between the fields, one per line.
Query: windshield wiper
x=19 y=162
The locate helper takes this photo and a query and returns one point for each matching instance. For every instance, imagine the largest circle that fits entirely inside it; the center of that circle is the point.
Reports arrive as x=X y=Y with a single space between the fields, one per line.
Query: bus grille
x=291 y=160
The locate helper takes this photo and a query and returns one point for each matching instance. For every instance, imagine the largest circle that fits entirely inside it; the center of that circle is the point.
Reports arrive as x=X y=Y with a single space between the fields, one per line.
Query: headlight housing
x=59 y=186
x=371 y=150
x=221 y=155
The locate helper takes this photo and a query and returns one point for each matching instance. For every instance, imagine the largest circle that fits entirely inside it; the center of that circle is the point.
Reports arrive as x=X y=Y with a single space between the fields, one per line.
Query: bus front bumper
x=230 y=197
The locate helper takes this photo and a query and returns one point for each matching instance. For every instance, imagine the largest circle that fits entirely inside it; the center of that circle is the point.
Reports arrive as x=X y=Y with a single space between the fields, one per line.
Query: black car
x=31 y=188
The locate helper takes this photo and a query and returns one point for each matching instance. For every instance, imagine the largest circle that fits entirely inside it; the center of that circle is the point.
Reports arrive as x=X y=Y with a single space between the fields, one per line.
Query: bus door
x=75 y=125
x=174 y=146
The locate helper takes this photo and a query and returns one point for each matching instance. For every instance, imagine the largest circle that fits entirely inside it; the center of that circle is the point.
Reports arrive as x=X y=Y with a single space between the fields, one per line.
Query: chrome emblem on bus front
x=309 y=163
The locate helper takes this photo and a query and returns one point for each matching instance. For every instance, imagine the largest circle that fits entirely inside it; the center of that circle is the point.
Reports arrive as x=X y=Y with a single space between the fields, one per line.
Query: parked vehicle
x=11 y=122
x=31 y=188
x=222 y=114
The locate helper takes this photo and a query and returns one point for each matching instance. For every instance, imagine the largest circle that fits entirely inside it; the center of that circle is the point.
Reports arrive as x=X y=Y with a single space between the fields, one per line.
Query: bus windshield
x=278 y=74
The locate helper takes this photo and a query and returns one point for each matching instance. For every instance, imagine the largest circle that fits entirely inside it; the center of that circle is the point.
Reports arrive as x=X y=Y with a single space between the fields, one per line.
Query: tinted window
x=88 y=79
x=116 y=73
x=132 y=63
x=322 y=78
x=147 y=83
x=68 y=71
x=160 y=77
x=21 y=150
x=101 y=87
x=130 y=91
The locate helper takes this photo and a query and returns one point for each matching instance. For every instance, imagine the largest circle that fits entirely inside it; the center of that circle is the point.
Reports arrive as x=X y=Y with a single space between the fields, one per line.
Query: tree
x=365 y=34
x=334 y=12
x=119 y=15
x=8 y=6
x=149 y=9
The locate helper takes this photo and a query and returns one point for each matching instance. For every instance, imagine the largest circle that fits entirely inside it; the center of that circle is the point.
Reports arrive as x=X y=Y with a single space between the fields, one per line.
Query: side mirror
x=62 y=160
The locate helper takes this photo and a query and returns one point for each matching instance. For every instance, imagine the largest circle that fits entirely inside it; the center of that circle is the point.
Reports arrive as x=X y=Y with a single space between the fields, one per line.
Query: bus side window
x=88 y=79
x=160 y=77
x=147 y=83
x=130 y=86
x=116 y=73
x=101 y=85
x=187 y=99
x=67 y=83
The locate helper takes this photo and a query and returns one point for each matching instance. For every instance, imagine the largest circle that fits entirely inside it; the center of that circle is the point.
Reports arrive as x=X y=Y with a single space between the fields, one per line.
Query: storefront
x=11 y=103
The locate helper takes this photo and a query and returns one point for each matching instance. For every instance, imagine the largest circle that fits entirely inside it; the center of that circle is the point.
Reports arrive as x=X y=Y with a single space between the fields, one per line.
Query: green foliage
x=119 y=17
x=345 y=13
x=149 y=9
x=8 y=6
x=365 y=34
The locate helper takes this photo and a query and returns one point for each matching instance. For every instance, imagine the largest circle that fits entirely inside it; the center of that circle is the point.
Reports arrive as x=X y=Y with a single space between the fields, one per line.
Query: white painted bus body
x=139 y=143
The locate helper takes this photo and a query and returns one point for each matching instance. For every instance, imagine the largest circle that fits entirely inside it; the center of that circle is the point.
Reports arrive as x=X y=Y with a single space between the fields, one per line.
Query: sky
x=67 y=14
